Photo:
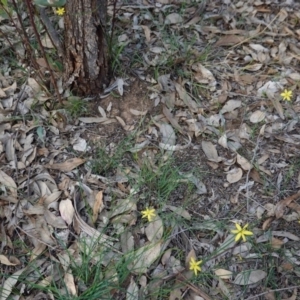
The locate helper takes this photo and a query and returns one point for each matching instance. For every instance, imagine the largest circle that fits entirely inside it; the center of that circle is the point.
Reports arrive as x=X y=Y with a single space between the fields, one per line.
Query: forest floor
x=139 y=193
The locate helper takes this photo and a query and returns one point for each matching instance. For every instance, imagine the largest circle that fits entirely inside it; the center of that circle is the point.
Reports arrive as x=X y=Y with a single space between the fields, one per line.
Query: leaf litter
x=215 y=105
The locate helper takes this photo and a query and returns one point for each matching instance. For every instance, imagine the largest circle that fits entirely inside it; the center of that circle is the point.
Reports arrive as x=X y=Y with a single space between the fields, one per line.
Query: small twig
x=270 y=291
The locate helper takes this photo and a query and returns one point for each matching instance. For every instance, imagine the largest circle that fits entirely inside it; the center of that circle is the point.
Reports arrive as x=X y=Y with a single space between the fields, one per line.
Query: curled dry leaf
x=234 y=175
x=66 y=210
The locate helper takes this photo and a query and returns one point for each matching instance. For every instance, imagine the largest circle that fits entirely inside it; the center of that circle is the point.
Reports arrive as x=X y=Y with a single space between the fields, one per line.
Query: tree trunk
x=86 y=65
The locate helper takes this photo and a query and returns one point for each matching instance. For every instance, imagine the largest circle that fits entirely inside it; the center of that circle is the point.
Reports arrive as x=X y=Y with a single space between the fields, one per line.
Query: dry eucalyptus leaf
x=9 y=183
x=257 y=116
x=68 y=165
x=136 y=112
x=230 y=106
x=223 y=141
x=155 y=229
x=144 y=257
x=249 y=277
x=70 y=284
x=224 y=274
x=276 y=243
x=243 y=162
x=9 y=283
x=89 y=120
x=179 y=211
x=5 y=261
x=173 y=18
x=210 y=151
x=66 y=210
x=98 y=205
x=55 y=221
x=234 y=175
x=132 y=290
x=229 y=40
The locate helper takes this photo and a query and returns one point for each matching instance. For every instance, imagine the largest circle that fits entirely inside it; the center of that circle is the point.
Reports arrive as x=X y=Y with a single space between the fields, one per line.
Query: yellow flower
x=60 y=11
x=195 y=265
x=286 y=95
x=148 y=213
x=241 y=232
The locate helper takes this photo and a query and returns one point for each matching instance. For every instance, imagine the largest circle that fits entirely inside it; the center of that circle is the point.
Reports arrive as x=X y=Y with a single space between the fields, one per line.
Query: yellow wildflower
x=148 y=213
x=195 y=265
x=286 y=95
x=60 y=11
x=241 y=232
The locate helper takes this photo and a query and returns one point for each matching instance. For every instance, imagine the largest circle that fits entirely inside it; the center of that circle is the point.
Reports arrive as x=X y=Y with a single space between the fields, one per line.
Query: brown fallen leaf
x=276 y=243
x=279 y=209
x=66 y=210
x=267 y=223
x=68 y=165
x=171 y=119
x=255 y=176
x=229 y=40
x=5 y=261
x=98 y=205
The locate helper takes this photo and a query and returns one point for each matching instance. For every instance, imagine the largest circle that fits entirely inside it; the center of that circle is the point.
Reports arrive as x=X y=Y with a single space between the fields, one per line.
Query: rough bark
x=86 y=65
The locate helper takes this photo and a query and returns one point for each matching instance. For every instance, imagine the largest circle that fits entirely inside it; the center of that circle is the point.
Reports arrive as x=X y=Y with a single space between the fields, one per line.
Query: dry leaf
x=132 y=290
x=98 y=205
x=155 y=229
x=257 y=116
x=5 y=261
x=9 y=183
x=68 y=165
x=243 y=162
x=9 y=283
x=144 y=257
x=234 y=175
x=230 y=106
x=280 y=207
x=224 y=274
x=210 y=151
x=56 y=222
x=249 y=277
x=276 y=243
x=229 y=40
x=173 y=18
x=66 y=210
x=172 y=120
x=70 y=284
